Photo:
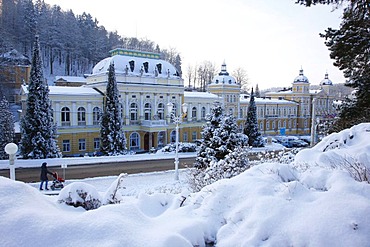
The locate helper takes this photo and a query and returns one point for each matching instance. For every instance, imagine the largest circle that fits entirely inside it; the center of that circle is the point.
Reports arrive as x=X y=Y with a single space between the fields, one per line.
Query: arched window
x=194 y=113
x=267 y=125
x=203 y=113
x=147 y=111
x=81 y=116
x=160 y=111
x=146 y=67
x=132 y=65
x=134 y=141
x=173 y=136
x=96 y=116
x=133 y=112
x=66 y=116
x=290 y=123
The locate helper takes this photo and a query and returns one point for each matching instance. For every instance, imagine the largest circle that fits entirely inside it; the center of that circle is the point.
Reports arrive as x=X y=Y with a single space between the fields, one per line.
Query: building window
x=66 y=146
x=173 y=136
x=96 y=116
x=146 y=67
x=161 y=136
x=66 y=116
x=194 y=113
x=132 y=65
x=305 y=123
x=267 y=125
x=273 y=125
x=160 y=111
x=133 y=112
x=81 y=116
x=159 y=68
x=203 y=113
x=279 y=124
x=147 y=111
x=134 y=141
x=81 y=144
x=194 y=135
x=241 y=113
x=185 y=137
x=261 y=126
x=96 y=143
x=284 y=124
x=290 y=124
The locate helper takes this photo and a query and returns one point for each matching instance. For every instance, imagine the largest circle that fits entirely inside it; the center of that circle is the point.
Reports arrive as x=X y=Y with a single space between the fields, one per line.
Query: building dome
x=136 y=63
x=326 y=81
x=301 y=78
x=223 y=77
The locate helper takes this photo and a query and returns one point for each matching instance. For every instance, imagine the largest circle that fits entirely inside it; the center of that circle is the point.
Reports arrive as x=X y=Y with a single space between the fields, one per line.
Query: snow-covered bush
x=358 y=170
x=232 y=165
x=184 y=147
x=80 y=194
x=347 y=150
x=113 y=195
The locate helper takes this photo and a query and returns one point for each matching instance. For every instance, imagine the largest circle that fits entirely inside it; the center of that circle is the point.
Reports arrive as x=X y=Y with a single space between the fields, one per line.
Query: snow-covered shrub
x=184 y=147
x=232 y=165
x=113 y=195
x=80 y=194
x=357 y=169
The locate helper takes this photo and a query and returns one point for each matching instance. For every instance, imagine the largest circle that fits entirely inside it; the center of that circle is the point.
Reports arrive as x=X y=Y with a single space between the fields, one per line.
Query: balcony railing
x=153 y=123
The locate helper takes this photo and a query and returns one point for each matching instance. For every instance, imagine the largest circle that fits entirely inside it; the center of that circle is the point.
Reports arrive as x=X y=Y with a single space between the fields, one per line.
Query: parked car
x=298 y=143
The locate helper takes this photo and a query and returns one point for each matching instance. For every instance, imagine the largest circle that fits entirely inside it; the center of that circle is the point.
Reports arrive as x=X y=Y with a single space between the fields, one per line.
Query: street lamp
x=313 y=119
x=11 y=149
x=177 y=120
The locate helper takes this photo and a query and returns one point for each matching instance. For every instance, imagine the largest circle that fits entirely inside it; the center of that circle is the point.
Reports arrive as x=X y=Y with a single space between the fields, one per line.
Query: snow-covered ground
x=310 y=202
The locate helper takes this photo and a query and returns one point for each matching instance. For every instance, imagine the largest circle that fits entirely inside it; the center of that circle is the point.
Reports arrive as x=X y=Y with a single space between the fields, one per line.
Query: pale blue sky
x=270 y=39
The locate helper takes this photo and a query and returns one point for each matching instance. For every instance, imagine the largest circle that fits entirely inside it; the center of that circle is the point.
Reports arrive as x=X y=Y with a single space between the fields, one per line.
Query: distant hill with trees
x=70 y=44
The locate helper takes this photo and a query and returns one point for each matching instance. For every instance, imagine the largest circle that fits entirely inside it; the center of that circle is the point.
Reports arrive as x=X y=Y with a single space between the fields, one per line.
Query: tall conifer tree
x=220 y=138
x=251 y=125
x=37 y=126
x=6 y=127
x=113 y=141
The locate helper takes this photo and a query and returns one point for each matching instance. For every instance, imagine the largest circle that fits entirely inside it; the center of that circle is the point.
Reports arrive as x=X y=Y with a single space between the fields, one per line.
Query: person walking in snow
x=44 y=176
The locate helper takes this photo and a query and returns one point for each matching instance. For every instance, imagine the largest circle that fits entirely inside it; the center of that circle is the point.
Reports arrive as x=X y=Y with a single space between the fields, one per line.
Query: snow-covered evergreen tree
x=113 y=141
x=220 y=137
x=37 y=125
x=251 y=125
x=6 y=127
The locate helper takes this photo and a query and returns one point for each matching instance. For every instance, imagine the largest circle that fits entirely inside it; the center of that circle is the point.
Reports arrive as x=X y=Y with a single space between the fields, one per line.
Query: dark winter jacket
x=44 y=172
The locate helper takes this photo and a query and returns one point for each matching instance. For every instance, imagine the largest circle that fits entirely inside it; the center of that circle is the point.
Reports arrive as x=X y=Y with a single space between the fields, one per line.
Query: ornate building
x=146 y=85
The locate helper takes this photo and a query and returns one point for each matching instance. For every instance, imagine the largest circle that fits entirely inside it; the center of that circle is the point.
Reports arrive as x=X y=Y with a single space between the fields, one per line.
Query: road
x=100 y=169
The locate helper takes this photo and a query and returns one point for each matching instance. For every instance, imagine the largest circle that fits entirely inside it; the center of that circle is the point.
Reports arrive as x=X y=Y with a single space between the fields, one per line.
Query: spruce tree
x=220 y=138
x=251 y=125
x=113 y=141
x=349 y=46
x=6 y=127
x=37 y=125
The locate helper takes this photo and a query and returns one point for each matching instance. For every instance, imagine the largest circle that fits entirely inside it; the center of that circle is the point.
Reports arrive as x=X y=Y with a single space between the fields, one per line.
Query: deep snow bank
x=348 y=145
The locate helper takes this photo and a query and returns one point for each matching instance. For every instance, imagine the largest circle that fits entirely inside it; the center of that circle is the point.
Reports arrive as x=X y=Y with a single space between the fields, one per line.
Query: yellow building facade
x=146 y=85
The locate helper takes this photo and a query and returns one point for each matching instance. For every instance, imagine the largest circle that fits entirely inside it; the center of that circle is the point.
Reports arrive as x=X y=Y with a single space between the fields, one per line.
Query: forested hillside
x=71 y=44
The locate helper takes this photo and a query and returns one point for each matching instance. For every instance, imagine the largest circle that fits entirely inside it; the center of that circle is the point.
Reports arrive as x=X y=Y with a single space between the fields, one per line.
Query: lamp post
x=11 y=149
x=313 y=119
x=177 y=120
